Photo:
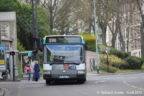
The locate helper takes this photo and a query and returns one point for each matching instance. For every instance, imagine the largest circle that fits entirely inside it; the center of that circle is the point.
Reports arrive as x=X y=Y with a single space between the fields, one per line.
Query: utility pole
x=36 y=34
x=33 y=24
x=96 y=36
x=35 y=29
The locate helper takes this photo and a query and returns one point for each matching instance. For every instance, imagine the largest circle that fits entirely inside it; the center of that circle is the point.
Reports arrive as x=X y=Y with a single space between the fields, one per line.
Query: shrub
x=113 y=61
x=120 y=54
x=20 y=46
x=110 y=70
x=134 y=62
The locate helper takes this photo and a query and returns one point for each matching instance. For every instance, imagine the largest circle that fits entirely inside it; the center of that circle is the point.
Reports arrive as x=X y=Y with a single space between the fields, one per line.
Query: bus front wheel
x=81 y=81
x=47 y=82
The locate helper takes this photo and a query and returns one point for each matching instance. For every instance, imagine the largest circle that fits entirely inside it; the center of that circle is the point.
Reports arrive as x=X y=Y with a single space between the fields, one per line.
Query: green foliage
x=134 y=62
x=110 y=69
x=20 y=46
x=113 y=61
x=120 y=54
x=24 y=20
x=43 y=22
x=24 y=24
x=7 y=5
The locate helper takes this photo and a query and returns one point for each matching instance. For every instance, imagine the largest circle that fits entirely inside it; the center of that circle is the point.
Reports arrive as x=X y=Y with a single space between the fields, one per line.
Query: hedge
x=120 y=54
x=134 y=62
x=113 y=61
x=110 y=70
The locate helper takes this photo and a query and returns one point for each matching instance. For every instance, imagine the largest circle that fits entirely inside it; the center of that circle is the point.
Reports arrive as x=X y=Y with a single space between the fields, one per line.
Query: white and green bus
x=64 y=58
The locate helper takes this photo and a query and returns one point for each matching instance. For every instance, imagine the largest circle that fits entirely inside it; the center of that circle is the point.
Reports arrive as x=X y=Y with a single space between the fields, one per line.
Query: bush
x=120 y=54
x=113 y=61
x=110 y=70
x=134 y=62
x=20 y=46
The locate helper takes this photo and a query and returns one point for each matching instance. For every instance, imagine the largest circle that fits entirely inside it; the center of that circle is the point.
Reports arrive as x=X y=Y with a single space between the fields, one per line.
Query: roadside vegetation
x=119 y=61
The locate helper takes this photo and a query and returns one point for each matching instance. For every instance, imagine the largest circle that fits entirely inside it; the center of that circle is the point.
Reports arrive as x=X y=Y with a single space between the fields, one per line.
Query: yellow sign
x=1 y=62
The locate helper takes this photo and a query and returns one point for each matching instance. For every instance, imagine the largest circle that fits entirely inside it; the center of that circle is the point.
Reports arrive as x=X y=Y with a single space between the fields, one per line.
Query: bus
x=64 y=58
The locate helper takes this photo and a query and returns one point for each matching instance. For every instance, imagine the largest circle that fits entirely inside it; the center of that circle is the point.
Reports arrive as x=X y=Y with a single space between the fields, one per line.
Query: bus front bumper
x=54 y=77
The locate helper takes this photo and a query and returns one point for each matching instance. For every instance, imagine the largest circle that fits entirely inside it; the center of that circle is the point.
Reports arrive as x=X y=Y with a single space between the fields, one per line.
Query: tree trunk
x=89 y=30
x=142 y=28
x=122 y=40
x=51 y=20
x=114 y=40
x=103 y=27
x=142 y=40
x=104 y=35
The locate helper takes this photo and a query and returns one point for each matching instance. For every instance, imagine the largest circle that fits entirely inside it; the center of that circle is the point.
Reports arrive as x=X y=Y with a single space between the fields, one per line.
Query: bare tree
x=84 y=11
x=52 y=7
x=104 y=13
x=140 y=5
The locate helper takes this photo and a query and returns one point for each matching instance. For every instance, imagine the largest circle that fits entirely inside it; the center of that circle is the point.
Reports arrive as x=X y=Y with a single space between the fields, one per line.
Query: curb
x=117 y=73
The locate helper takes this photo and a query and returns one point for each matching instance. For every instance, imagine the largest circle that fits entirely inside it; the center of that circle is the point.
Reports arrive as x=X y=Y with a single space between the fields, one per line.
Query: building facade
x=8 y=30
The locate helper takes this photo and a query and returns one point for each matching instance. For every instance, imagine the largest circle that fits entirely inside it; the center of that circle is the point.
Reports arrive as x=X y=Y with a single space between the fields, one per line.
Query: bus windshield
x=64 y=54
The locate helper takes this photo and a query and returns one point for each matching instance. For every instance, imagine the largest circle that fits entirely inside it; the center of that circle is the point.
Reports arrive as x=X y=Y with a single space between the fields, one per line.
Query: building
x=8 y=30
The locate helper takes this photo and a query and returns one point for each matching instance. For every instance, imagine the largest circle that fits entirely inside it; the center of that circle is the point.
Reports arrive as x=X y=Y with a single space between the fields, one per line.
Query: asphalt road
x=96 y=85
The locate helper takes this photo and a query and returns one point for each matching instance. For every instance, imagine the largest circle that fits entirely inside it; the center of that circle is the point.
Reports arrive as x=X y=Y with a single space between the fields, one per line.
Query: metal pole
x=36 y=19
x=107 y=64
x=33 y=24
x=36 y=33
x=13 y=69
x=96 y=36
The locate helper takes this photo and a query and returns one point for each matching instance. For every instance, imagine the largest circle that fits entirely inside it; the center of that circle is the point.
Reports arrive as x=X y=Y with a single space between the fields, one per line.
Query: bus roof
x=62 y=36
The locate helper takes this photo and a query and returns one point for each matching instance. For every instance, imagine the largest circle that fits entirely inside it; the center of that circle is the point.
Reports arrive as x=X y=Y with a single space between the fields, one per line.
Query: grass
x=132 y=70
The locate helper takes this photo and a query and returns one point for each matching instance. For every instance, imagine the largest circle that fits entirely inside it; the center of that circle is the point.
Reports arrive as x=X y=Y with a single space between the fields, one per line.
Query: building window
x=4 y=27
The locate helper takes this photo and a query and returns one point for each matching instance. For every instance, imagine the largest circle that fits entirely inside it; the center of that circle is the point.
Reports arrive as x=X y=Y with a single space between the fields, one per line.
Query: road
x=96 y=85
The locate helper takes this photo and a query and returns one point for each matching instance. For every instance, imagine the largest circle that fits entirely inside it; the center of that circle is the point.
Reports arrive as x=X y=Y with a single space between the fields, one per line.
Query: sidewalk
x=1 y=92
x=4 y=92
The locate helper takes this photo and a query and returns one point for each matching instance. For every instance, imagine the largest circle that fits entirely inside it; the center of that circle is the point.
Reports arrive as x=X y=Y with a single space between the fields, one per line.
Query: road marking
x=130 y=85
x=108 y=78
x=133 y=77
x=99 y=82
x=32 y=86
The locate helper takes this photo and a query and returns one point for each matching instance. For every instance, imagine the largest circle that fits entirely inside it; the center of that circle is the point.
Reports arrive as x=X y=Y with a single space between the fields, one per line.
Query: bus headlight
x=46 y=72
x=47 y=67
x=81 y=72
x=80 y=67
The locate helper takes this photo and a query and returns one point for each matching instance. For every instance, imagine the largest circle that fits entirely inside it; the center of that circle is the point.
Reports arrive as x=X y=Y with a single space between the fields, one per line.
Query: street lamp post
x=35 y=29
x=33 y=24
x=96 y=36
x=107 y=52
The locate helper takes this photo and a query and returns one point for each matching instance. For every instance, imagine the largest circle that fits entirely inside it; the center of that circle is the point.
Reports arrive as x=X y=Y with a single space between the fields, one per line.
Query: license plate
x=63 y=76
x=66 y=66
